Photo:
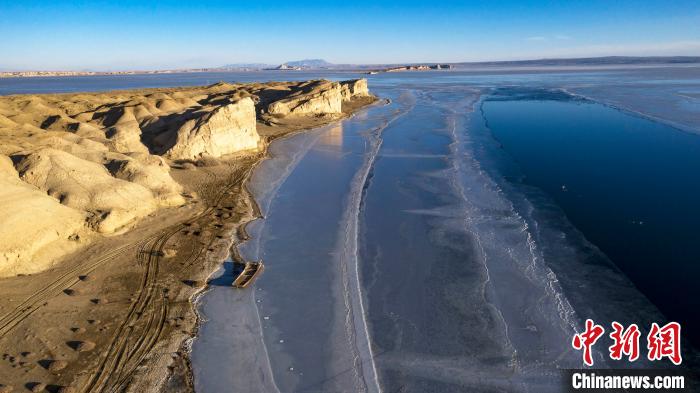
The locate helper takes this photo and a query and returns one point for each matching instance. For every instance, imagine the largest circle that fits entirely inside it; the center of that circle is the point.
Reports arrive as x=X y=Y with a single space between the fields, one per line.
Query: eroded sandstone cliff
x=226 y=129
x=353 y=89
x=319 y=98
x=313 y=98
x=76 y=166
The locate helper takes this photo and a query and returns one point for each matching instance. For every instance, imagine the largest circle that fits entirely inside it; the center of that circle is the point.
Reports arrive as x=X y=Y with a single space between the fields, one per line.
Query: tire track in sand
x=141 y=328
x=66 y=280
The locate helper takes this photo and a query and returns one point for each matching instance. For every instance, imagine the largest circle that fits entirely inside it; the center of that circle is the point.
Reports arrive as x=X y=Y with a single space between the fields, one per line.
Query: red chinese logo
x=662 y=342
x=586 y=340
x=665 y=342
x=625 y=341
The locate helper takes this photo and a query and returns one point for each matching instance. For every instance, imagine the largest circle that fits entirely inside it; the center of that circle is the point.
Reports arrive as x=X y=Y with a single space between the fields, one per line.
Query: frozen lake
x=454 y=236
x=471 y=279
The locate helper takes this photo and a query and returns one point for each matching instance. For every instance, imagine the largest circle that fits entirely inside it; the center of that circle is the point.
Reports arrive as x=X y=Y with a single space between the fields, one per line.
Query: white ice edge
x=356 y=327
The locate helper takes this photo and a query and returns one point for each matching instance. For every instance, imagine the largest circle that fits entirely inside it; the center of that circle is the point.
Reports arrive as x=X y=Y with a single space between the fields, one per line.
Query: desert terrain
x=116 y=207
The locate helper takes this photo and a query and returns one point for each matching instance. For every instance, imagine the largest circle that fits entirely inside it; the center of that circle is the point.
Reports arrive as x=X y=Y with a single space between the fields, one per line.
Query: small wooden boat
x=246 y=273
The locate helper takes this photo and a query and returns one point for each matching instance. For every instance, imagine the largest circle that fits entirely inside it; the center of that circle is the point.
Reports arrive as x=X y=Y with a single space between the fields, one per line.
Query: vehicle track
x=66 y=280
x=142 y=325
x=140 y=330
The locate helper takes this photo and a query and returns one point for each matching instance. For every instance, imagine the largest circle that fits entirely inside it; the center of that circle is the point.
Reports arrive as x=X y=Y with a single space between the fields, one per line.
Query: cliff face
x=353 y=89
x=318 y=98
x=315 y=98
x=224 y=130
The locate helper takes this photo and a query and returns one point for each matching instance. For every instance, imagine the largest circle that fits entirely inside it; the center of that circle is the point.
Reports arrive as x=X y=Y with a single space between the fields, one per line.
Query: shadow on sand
x=231 y=270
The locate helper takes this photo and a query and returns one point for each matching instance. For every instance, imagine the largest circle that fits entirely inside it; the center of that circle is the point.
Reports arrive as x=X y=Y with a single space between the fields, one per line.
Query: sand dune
x=86 y=186
x=31 y=220
x=151 y=172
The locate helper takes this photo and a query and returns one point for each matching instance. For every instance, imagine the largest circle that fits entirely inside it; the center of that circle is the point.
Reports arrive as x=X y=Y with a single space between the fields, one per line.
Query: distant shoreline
x=35 y=74
x=563 y=63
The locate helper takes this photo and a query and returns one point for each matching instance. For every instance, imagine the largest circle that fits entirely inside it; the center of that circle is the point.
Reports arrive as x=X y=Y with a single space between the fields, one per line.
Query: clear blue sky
x=129 y=34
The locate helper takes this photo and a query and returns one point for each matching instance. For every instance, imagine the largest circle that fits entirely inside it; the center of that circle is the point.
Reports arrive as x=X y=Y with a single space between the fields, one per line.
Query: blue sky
x=101 y=35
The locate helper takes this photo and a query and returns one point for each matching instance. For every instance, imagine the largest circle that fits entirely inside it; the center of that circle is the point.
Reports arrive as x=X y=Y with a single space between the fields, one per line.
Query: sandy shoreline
x=236 y=330
x=182 y=371
x=58 y=329
x=334 y=156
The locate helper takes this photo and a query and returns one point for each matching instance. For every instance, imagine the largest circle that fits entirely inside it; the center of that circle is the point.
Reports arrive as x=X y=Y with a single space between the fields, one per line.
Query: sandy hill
x=77 y=166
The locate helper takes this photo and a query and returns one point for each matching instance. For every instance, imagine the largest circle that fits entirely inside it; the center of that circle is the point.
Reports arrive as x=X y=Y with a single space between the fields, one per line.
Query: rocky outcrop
x=86 y=130
x=33 y=223
x=151 y=172
x=315 y=98
x=353 y=89
x=125 y=134
x=223 y=130
x=87 y=187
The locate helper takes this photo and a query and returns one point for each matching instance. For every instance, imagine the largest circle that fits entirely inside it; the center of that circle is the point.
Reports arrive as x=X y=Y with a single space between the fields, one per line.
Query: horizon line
x=696 y=59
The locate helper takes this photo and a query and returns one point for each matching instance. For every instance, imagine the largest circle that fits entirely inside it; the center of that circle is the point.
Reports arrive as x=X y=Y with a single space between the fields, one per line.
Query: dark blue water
x=630 y=185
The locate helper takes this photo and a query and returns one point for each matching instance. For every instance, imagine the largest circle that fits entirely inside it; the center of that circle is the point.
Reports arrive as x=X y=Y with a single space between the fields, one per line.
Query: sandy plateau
x=116 y=207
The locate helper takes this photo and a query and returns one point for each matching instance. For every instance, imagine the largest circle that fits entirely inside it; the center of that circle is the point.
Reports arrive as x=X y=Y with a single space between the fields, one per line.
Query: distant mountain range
x=309 y=63
x=320 y=64
x=246 y=66
x=306 y=64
